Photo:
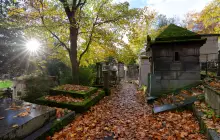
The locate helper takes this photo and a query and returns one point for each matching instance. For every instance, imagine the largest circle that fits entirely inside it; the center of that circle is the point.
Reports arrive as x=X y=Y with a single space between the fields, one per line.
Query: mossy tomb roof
x=174 y=32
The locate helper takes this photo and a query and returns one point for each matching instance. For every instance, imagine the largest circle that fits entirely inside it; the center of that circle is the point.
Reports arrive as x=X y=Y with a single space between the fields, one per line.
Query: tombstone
x=8 y=93
x=113 y=72
x=19 y=86
x=126 y=73
x=106 y=79
x=121 y=71
x=144 y=70
x=132 y=72
x=98 y=73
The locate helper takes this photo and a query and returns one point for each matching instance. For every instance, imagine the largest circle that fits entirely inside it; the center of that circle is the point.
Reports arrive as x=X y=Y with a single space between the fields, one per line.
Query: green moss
x=76 y=94
x=173 y=32
x=57 y=125
x=178 y=41
x=76 y=106
x=5 y=84
x=212 y=88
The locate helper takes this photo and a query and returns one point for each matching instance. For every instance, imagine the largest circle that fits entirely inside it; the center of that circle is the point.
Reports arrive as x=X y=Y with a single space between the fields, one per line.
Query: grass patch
x=5 y=84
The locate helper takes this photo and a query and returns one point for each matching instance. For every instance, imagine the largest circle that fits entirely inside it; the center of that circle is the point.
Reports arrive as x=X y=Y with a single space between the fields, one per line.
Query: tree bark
x=73 y=54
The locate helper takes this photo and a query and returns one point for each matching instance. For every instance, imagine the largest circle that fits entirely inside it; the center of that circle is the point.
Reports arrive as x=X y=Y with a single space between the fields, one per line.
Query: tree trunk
x=73 y=54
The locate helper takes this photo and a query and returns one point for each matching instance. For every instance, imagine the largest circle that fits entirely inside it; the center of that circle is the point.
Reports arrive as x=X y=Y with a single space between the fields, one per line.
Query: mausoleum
x=174 y=59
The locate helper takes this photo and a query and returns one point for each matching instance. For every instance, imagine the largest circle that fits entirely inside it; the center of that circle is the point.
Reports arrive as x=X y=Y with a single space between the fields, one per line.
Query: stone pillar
x=114 y=76
x=98 y=73
x=106 y=80
x=121 y=71
x=206 y=71
x=218 y=72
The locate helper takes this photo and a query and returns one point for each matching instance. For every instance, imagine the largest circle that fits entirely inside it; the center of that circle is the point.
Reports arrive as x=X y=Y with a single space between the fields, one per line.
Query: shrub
x=37 y=86
x=86 y=76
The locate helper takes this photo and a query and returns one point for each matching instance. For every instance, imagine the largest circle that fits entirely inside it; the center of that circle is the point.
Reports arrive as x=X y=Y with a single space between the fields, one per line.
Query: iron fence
x=209 y=64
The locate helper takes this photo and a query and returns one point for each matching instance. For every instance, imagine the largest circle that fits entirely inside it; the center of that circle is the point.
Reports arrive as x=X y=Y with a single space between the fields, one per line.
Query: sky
x=170 y=8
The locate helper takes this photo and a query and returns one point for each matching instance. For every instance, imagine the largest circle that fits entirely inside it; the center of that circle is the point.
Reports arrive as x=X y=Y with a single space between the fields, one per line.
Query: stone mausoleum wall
x=170 y=74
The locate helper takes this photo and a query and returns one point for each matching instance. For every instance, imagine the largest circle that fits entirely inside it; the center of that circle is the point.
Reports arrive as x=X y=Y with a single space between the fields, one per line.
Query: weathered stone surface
x=158 y=87
x=144 y=70
x=190 y=75
x=170 y=74
x=211 y=134
x=26 y=125
x=212 y=97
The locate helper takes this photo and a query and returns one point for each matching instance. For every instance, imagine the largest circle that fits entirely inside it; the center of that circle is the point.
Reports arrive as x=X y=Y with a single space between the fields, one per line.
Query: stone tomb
x=13 y=126
x=174 y=60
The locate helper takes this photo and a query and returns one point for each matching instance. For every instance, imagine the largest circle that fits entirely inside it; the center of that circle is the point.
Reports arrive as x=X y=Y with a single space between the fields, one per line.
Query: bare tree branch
x=81 y=4
x=54 y=35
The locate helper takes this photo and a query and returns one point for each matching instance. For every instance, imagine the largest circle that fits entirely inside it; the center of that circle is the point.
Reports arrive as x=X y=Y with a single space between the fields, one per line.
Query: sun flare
x=32 y=45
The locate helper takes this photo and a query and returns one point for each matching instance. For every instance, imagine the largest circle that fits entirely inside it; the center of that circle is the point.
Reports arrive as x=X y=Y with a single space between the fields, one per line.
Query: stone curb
x=51 y=127
x=211 y=134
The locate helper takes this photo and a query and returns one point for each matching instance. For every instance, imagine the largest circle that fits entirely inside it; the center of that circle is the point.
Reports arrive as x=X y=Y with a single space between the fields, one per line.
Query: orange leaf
x=183 y=134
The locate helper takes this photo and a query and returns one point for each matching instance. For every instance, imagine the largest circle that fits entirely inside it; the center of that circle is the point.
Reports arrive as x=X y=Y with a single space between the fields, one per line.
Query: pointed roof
x=174 y=32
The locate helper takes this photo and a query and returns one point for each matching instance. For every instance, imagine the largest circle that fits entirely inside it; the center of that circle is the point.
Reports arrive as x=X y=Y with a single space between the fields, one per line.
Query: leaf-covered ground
x=124 y=115
x=211 y=120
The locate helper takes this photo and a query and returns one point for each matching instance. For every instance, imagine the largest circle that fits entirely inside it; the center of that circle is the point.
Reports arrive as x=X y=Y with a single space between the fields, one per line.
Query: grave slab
x=163 y=108
x=176 y=105
x=16 y=127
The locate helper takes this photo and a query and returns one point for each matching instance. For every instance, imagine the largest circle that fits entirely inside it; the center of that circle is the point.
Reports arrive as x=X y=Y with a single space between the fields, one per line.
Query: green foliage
x=75 y=94
x=206 y=21
x=99 y=31
x=37 y=86
x=58 y=124
x=87 y=75
x=136 y=33
x=5 y=84
x=174 y=32
x=144 y=88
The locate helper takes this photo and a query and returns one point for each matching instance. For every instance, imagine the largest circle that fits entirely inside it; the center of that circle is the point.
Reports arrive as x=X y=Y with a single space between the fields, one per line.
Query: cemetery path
x=124 y=115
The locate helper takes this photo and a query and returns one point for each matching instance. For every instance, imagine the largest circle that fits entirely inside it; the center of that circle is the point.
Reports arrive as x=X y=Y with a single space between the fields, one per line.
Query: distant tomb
x=144 y=69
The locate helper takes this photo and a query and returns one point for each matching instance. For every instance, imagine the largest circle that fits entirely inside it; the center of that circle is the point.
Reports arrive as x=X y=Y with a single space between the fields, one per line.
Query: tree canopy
x=206 y=21
x=99 y=33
